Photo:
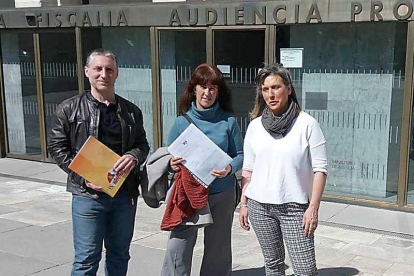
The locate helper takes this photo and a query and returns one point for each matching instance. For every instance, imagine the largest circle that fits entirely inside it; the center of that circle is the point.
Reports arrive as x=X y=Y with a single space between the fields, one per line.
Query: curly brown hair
x=203 y=74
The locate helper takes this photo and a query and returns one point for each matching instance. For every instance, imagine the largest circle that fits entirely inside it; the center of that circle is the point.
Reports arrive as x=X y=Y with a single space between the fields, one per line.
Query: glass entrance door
x=20 y=91
x=239 y=54
x=181 y=51
x=39 y=72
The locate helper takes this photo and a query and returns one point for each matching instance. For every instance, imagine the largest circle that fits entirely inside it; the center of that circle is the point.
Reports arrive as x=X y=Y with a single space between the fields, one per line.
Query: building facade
x=351 y=62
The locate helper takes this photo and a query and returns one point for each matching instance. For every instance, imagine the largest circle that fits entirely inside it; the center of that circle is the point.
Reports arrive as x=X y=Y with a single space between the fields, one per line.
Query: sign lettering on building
x=401 y=10
x=2 y=24
x=210 y=14
x=73 y=19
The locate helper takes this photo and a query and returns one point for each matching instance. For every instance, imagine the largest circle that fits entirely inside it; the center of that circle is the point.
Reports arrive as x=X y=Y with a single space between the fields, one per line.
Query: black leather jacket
x=77 y=118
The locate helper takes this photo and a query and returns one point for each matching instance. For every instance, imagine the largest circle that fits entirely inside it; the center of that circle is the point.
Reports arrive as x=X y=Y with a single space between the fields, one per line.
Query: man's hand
x=125 y=164
x=93 y=186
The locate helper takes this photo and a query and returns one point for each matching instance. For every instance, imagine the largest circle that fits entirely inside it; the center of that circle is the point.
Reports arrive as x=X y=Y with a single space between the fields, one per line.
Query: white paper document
x=200 y=153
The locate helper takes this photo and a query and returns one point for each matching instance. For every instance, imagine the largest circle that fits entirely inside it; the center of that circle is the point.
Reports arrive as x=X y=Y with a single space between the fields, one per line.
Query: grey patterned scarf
x=278 y=125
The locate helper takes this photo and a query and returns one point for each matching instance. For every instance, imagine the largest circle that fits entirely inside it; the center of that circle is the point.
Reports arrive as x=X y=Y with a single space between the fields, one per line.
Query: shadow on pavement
x=338 y=271
x=249 y=272
x=332 y=271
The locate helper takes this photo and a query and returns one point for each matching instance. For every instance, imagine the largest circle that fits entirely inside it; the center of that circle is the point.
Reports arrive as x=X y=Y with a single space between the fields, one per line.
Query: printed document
x=200 y=153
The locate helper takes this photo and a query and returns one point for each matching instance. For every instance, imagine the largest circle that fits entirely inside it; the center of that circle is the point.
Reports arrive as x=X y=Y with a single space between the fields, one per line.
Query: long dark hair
x=267 y=70
x=203 y=74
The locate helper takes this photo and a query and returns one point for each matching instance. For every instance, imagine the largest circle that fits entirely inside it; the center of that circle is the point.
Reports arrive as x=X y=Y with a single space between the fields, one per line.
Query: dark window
x=316 y=100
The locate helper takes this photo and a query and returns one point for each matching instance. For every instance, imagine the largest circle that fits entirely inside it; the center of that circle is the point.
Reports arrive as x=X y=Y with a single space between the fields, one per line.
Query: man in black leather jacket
x=118 y=124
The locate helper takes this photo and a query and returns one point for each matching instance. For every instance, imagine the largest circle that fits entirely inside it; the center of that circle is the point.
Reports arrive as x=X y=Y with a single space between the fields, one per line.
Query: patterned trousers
x=275 y=223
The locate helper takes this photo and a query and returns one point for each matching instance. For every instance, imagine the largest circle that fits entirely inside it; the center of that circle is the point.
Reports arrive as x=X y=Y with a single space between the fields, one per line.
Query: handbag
x=237 y=185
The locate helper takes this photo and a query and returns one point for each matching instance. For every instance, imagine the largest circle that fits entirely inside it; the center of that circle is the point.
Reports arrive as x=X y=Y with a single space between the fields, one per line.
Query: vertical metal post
x=40 y=98
x=3 y=129
x=270 y=42
x=406 y=119
x=210 y=45
x=79 y=60
x=156 y=87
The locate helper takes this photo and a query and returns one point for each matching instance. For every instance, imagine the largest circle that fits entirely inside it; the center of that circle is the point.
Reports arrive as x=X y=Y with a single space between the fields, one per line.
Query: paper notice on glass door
x=200 y=153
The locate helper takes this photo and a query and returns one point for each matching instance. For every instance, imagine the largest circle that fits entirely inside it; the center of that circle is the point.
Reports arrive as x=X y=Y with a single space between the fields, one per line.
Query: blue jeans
x=98 y=220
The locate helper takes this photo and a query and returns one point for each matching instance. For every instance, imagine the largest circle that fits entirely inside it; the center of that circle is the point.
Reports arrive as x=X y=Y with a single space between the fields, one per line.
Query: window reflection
x=132 y=49
x=354 y=89
x=59 y=70
x=22 y=109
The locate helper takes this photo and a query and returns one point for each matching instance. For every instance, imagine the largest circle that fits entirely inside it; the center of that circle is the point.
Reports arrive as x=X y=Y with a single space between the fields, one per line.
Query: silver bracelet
x=243 y=204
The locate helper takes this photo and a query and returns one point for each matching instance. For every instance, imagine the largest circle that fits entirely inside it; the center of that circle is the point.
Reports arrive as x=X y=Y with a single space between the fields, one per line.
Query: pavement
x=36 y=234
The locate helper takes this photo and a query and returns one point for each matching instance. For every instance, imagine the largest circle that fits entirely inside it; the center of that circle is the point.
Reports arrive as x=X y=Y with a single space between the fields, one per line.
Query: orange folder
x=95 y=163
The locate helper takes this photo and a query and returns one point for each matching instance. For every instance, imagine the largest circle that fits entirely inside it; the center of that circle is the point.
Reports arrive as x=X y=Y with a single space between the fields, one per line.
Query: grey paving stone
x=345 y=235
x=28 y=186
x=24 y=167
x=55 y=271
x=370 y=265
x=147 y=261
x=60 y=270
x=395 y=242
x=393 y=221
x=333 y=258
x=151 y=225
x=8 y=209
x=157 y=241
x=42 y=243
x=19 y=184
x=400 y=270
x=139 y=235
x=65 y=227
x=9 y=225
x=246 y=249
x=20 y=197
x=49 y=203
x=382 y=252
x=53 y=189
x=57 y=175
x=39 y=218
x=328 y=243
x=329 y=209
x=12 y=265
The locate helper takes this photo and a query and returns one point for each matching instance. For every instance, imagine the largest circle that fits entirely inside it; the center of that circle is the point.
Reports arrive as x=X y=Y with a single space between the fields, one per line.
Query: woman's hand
x=310 y=220
x=221 y=173
x=174 y=162
x=243 y=217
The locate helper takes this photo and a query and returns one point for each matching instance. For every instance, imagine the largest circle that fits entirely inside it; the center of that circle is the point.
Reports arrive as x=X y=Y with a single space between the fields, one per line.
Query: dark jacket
x=77 y=118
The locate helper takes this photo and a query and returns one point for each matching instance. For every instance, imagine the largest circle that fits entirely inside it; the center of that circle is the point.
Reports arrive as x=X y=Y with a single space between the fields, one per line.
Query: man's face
x=102 y=73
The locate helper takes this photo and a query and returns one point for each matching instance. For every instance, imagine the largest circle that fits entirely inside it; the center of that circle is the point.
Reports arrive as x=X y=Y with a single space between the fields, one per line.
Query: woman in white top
x=284 y=174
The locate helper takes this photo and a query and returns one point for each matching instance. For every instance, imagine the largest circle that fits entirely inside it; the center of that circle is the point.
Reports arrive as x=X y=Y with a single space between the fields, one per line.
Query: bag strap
x=188 y=118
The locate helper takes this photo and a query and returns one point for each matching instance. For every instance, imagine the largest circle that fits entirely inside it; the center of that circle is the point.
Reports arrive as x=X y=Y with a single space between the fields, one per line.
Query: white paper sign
x=225 y=69
x=200 y=153
x=291 y=57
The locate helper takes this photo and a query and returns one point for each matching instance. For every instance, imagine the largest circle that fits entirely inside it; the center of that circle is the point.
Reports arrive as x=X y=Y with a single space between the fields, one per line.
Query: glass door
x=21 y=95
x=181 y=51
x=239 y=53
x=59 y=72
x=39 y=72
